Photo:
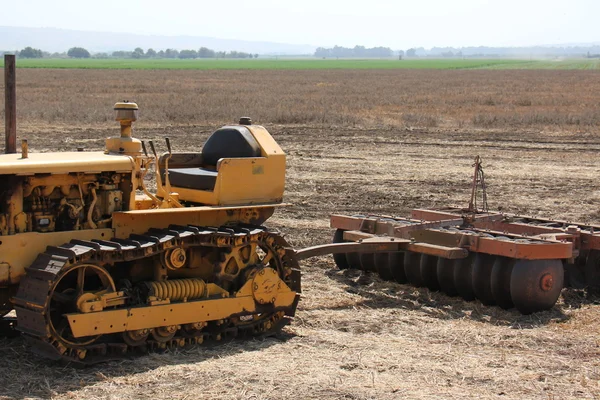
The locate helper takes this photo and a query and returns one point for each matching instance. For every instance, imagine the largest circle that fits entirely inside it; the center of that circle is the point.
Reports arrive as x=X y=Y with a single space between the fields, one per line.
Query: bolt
x=546 y=282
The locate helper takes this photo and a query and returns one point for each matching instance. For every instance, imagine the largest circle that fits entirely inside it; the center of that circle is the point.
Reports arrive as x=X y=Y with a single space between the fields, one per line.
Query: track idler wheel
x=463 y=277
x=536 y=284
x=445 y=276
x=340 y=259
x=482 y=278
x=412 y=268
x=501 y=276
x=428 y=266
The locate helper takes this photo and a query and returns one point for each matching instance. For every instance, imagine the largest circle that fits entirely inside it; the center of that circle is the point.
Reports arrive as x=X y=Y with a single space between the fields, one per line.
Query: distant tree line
x=80 y=52
x=521 y=52
x=202 y=52
x=355 y=52
x=30 y=52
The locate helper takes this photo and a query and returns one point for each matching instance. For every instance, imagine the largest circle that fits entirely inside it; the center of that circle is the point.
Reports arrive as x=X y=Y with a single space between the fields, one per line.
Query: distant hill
x=59 y=40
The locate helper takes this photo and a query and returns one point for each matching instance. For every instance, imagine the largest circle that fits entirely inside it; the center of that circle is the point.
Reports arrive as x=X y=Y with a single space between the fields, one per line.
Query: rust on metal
x=381 y=245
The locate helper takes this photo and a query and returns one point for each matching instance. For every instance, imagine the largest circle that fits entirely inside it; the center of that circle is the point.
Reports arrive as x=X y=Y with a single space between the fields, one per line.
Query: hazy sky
x=396 y=24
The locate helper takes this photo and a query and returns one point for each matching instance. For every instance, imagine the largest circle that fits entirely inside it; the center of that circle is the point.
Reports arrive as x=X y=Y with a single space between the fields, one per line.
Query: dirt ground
x=356 y=336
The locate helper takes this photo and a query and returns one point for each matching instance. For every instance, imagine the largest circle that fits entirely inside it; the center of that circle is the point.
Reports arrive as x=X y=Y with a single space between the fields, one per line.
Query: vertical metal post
x=10 y=103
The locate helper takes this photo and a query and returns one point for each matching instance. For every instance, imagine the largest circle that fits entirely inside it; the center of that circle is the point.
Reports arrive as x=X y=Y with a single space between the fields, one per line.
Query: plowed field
x=357 y=141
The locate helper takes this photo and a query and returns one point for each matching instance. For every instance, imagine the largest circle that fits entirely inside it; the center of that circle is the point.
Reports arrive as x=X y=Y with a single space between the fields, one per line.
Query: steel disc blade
x=412 y=268
x=382 y=263
x=397 y=267
x=536 y=284
x=353 y=260
x=592 y=269
x=429 y=271
x=463 y=277
x=445 y=276
x=340 y=259
x=367 y=262
x=501 y=275
x=575 y=276
x=482 y=278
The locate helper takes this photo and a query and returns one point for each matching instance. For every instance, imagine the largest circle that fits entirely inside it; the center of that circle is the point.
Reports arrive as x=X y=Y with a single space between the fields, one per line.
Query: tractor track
x=32 y=302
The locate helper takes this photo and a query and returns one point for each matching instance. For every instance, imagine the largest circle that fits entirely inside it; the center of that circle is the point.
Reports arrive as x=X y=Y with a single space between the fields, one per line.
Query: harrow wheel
x=482 y=278
x=412 y=268
x=340 y=259
x=445 y=276
x=428 y=266
x=500 y=280
x=536 y=284
x=463 y=277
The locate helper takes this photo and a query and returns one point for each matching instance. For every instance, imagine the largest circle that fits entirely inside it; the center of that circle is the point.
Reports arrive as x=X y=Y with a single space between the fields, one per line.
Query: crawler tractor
x=96 y=264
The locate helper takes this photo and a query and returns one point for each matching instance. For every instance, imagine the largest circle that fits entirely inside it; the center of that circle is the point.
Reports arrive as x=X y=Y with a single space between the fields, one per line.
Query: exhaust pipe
x=10 y=103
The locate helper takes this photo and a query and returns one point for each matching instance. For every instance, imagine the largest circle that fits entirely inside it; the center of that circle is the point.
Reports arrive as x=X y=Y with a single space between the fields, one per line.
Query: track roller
x=536 y=284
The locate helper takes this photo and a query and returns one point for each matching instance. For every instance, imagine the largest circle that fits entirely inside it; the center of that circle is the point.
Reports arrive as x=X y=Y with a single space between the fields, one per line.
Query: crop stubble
x=358 y=141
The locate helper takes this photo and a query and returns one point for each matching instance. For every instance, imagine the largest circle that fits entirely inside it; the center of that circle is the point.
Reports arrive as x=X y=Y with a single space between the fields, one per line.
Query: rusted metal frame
x=452 y=213
x=10 y=104
x=407 y=230
x=516 y=228
x=432 y=249
x=374 y=225
x=553 y=236
x=366 y=224
x=549 y=249
x=565 y=223
x=588 y=239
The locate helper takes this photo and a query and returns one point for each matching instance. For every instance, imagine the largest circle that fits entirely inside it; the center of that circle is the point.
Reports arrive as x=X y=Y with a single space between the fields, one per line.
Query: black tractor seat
x=193 y=178
x=227 y=142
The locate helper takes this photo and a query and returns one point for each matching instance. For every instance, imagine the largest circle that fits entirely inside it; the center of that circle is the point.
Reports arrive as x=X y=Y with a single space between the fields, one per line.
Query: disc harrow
x=475 y=256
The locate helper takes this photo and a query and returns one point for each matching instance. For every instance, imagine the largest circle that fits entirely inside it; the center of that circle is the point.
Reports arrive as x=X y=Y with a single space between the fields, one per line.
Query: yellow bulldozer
x=103 y=264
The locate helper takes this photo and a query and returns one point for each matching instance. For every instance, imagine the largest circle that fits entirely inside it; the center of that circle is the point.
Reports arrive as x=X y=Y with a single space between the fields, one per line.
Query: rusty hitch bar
x=379 y=245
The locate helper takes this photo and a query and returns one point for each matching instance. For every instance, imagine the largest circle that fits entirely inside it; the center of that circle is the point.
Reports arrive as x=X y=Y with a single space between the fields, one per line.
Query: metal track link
x=33 y=297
